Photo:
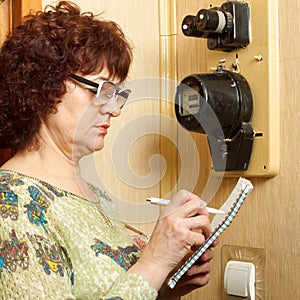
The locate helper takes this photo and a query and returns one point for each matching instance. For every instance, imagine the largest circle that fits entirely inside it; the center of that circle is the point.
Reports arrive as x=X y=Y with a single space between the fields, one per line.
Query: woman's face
x=81 y=122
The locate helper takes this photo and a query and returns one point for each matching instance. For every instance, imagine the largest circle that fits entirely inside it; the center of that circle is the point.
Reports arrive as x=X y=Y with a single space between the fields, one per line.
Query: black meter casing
x=220 y=105
x=226 y=28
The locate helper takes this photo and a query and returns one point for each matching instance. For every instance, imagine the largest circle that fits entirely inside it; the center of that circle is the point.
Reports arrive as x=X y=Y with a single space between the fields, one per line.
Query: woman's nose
x=116 y=112
x=111 y=108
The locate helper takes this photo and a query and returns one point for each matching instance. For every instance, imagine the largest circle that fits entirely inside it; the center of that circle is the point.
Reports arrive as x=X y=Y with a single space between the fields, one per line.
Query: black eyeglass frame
x=124 y=93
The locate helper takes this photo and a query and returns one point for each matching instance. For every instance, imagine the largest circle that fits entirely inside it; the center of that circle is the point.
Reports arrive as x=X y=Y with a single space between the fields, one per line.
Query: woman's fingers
x=206 y=256
x=204 y=268
x=190 y=231
x=185 y=204
x=198 y=280
x=199 y=222
x=192 y=207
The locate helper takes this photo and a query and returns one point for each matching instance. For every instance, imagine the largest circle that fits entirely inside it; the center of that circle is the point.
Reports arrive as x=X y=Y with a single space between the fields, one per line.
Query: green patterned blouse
x=56 y=245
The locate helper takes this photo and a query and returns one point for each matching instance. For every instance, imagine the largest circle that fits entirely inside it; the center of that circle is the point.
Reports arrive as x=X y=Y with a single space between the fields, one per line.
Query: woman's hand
x=183 y=225
x=197 y=276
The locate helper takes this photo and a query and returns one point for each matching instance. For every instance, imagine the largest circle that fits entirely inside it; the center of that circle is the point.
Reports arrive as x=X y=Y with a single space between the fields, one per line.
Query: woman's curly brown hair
x=37 y=58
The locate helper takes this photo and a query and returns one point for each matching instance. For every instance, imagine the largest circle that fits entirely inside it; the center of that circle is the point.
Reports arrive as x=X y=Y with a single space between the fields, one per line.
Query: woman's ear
x=70 y=86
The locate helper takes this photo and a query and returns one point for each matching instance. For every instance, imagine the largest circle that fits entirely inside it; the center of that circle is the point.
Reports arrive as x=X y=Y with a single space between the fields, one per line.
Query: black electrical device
x=220 y=105
x=226 y=28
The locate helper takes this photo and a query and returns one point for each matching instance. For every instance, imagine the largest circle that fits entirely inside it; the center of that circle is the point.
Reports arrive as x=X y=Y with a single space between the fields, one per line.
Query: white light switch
x=239 y=279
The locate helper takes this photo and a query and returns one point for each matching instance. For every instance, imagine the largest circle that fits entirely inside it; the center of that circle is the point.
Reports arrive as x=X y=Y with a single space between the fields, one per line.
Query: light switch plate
x=239 y=279
x=257 y=256
x=259 y=64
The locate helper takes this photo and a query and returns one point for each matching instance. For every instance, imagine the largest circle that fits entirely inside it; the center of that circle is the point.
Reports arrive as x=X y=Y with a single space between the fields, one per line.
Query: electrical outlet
x=258 y=62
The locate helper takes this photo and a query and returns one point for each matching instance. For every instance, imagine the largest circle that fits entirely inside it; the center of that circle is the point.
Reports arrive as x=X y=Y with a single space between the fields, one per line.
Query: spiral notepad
x=232 y=205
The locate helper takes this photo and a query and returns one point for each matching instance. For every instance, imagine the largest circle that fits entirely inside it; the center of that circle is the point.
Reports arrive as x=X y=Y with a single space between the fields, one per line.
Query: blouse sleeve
x=131 y=286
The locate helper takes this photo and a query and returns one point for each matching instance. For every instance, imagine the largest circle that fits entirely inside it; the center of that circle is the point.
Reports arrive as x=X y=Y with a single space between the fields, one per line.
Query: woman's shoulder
x=10 y=176
x=13 y=180
x=25 y=190
x=9 y=181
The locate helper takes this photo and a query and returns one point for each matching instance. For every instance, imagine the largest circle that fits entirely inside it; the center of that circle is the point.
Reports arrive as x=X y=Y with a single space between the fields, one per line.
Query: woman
x=60 y=83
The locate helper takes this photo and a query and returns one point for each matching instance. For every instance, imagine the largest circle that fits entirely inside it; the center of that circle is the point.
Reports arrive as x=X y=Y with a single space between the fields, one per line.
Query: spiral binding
x=245 y=190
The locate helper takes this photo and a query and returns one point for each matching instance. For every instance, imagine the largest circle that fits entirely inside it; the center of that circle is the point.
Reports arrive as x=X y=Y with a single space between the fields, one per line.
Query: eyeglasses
x=105 y=90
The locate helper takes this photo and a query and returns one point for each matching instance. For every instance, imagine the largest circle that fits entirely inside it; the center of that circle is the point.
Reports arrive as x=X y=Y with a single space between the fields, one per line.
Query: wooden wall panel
x=5 y=18
x=30 y=5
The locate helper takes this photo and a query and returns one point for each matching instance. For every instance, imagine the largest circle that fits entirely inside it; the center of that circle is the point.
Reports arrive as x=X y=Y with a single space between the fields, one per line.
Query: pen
x=160 y=201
